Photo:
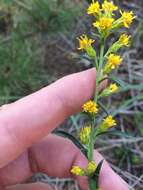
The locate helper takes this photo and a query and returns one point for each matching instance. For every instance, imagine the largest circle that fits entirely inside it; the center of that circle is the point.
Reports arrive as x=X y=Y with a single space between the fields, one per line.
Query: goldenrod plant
x=108 y=18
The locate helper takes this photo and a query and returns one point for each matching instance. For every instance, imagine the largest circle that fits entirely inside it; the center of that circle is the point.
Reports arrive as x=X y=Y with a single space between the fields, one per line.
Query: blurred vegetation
x=22 y=23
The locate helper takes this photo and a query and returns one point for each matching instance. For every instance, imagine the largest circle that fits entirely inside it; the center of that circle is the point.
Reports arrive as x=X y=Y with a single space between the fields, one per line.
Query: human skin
x=27 y=145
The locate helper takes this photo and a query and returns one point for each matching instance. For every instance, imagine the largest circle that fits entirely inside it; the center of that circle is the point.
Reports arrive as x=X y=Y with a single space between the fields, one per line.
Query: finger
x=33 y=186
x=29 y=119
x=52 y=155
x=55 y=156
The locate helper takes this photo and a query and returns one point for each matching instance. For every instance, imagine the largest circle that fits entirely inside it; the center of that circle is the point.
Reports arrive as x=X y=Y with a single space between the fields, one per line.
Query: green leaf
x=95 y=177
x=124 y=86
x=127 y=104
x=120 y=134
x=120 y=82
x=116 y=133
x=103 y=108
x=73 y=139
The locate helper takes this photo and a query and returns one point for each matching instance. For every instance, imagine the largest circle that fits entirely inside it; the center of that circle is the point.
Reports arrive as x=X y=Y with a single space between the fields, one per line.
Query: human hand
x=25 y=146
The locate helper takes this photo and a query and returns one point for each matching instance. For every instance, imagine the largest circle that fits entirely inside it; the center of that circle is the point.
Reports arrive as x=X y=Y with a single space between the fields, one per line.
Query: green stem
x=91 y=181
x=91 y=143
x=98 y=74
x=92 y=184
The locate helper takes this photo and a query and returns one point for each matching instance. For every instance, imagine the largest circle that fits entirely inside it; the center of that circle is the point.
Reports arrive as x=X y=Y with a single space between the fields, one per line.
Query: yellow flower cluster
x=89 y=170
x=113 y=88
x=85 y=134
x=104 y=16
x=109 y=7
x=91 y=167
x=93 y=8
x=104 y=23
x=124 y=40
x=107 y=123
x=85 y=42
x=113 y=62
x=127 y=18
x=76 y=170
x=90 y=107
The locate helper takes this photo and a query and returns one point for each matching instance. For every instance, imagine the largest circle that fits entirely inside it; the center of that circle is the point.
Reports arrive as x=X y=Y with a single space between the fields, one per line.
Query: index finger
x=31 y=118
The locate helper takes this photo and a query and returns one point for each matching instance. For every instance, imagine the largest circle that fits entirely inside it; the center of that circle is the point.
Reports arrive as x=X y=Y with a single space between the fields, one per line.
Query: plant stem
x=91 y=143
x=92 y=182
x=98 y=74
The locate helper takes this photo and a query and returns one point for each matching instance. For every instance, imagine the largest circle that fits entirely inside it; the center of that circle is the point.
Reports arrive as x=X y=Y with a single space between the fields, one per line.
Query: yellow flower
x=107 y=123
x=90 y=107
x=76 y=170
x=124 y=39
x=113 y=88
x=109 y=90
x=127 y=18
x=84 y=42
x=109 y=7
x=93 y=8
x=85 y=134
x=91 y=167
x=114 y=60
x=104 y=23
x=112 y=63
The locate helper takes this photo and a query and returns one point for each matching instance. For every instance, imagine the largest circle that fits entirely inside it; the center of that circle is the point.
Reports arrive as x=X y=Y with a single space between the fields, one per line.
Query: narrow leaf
x=118 y=81
x=73 y=139
x=97 y=172
x=103 y=108
x=120 y=134
x=116 y=133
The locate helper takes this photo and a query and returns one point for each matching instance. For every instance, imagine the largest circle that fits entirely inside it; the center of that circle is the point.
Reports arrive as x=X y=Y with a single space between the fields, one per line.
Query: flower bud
x=91 y=167
x=85 y=134
x=78 y=171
